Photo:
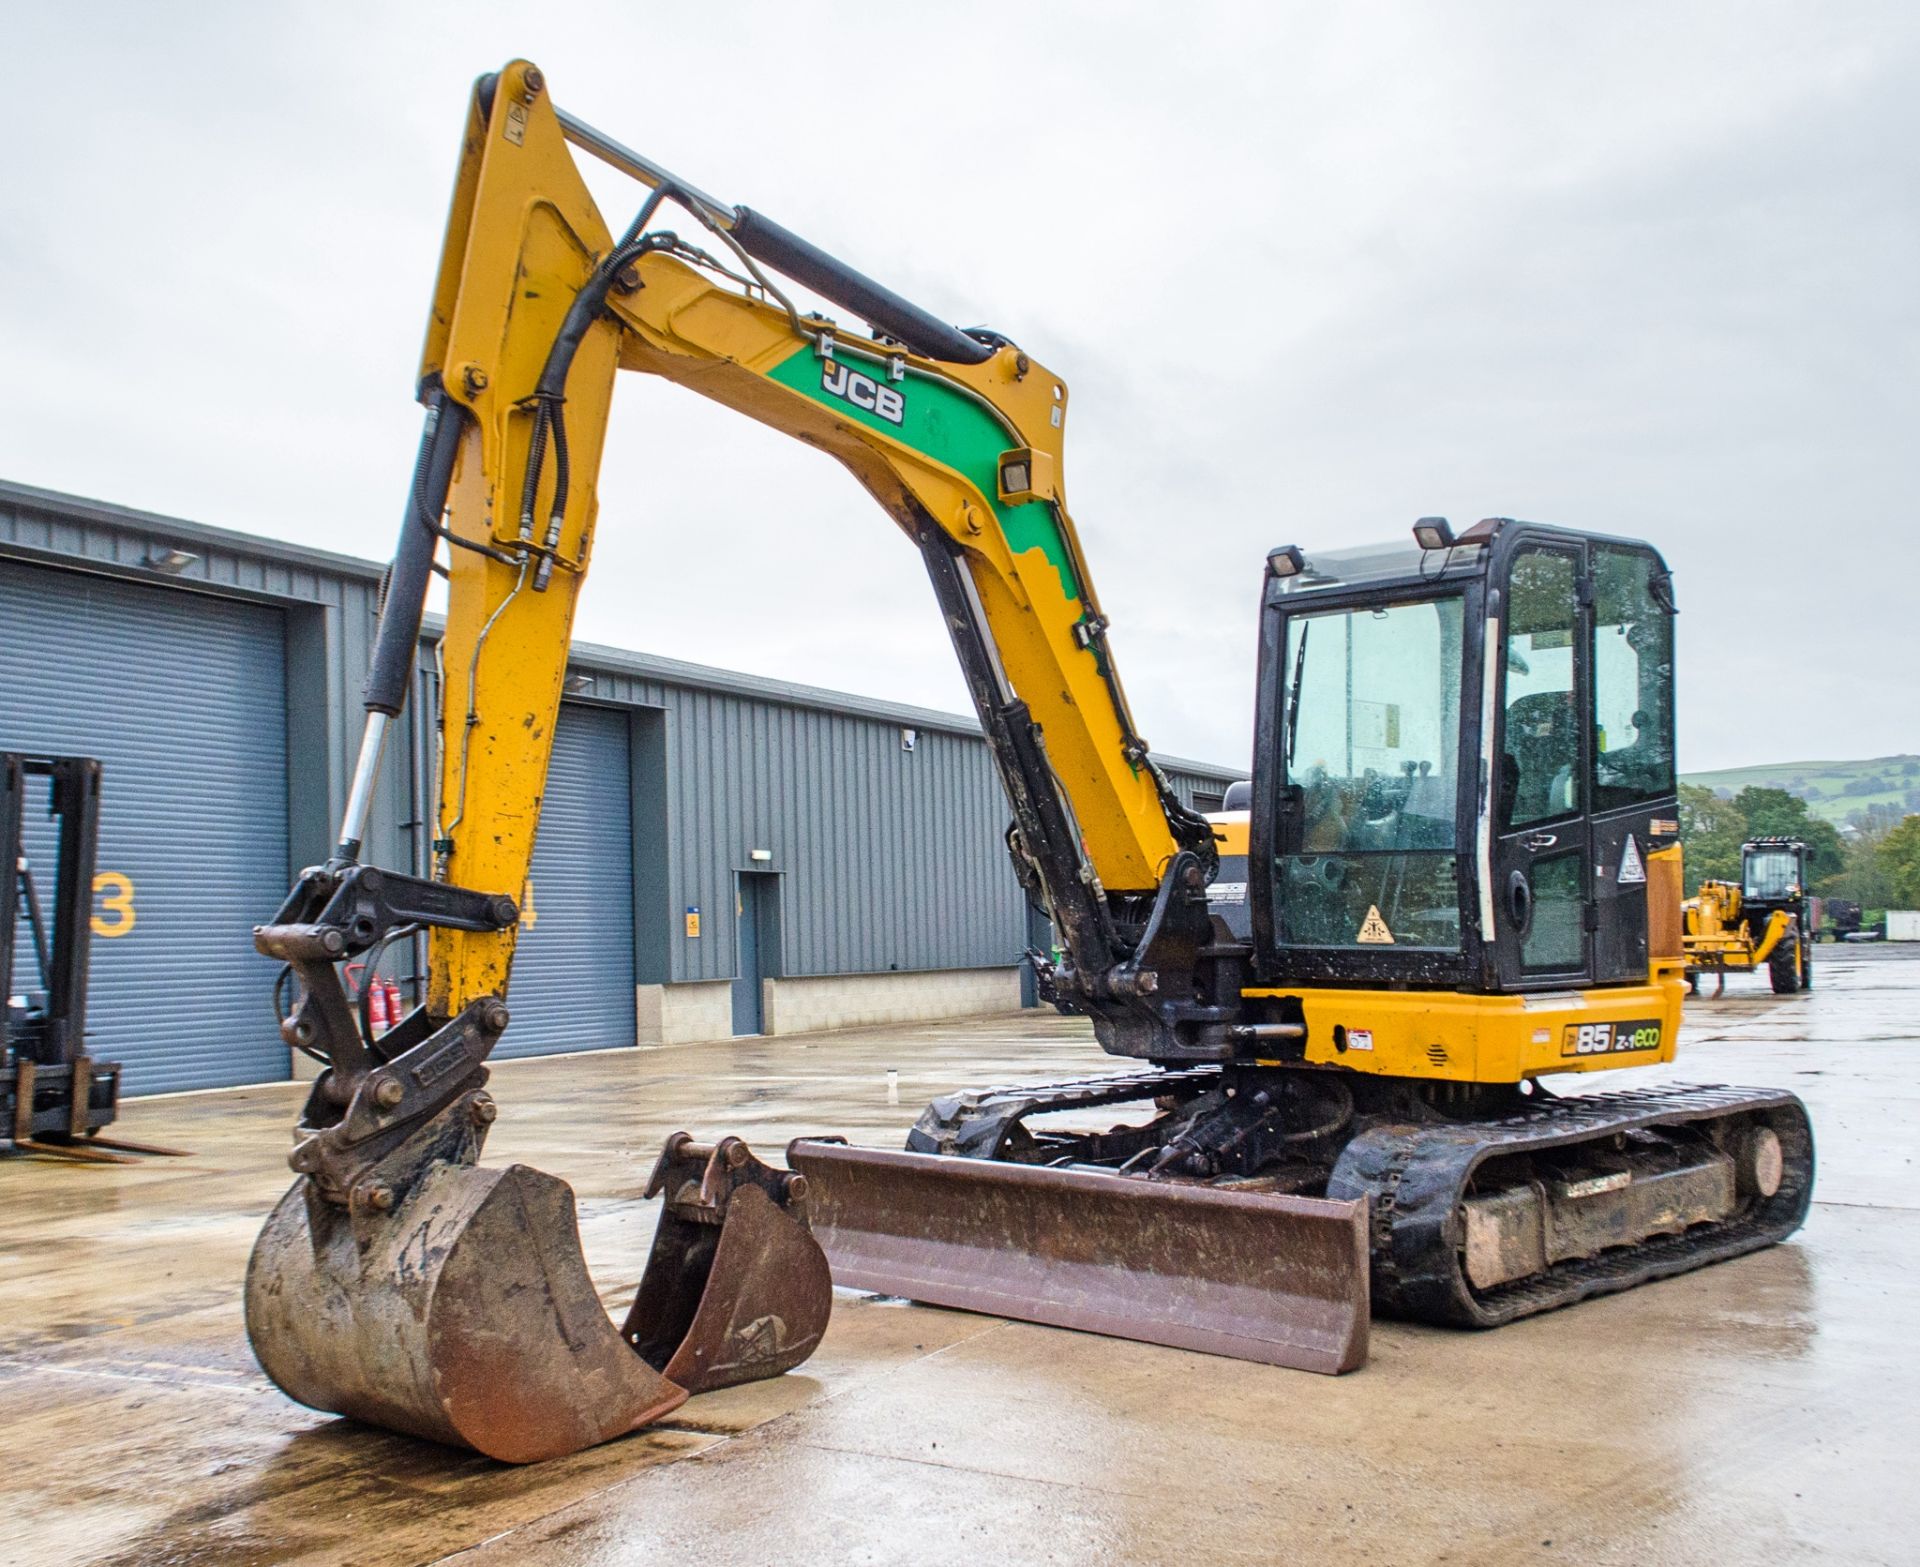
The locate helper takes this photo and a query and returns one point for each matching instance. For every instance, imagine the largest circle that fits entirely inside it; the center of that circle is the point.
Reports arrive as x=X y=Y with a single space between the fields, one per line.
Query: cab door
x=1635 y=809
x=1542 y=858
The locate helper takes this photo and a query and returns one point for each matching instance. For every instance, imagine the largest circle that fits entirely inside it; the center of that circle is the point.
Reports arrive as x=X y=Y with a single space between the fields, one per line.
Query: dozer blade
x=1264 y=1277
x=463 y=1311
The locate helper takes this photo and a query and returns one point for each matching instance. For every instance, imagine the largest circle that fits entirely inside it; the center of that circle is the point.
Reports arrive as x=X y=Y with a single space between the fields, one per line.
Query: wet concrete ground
x=1767 y=1410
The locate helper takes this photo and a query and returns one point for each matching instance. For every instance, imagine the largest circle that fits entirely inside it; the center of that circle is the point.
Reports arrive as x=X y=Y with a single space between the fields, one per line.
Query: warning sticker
x=1373 y=929
x=1359 y=1039
x=1632 y=869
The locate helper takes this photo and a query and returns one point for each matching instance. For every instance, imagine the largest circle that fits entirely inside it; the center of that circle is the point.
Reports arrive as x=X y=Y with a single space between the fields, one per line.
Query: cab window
x=1632 y=679
x=1540 y=761
x=1772 y=874
x=1370 y=750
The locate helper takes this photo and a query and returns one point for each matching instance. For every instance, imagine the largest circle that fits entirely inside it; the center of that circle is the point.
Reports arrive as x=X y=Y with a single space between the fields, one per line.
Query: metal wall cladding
x=182 y=697
x=572 y=986
x=331 y=609
x=887 y=857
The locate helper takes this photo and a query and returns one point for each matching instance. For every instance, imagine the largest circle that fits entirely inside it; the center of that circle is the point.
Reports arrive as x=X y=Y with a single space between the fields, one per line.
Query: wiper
x=1293 y=704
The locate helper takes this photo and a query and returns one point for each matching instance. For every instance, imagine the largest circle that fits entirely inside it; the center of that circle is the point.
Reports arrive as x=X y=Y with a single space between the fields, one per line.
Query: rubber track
x=1417 y=1175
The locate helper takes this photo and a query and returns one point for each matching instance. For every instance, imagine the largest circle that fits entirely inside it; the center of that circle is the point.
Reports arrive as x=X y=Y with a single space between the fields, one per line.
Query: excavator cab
x=1464 y=763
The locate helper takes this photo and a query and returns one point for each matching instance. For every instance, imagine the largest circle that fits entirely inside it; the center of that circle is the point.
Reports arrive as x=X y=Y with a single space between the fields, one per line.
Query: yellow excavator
x=1455 y=872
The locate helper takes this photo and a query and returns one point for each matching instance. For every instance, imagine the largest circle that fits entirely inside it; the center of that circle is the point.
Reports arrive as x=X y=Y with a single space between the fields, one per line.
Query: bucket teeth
x=460 y=1309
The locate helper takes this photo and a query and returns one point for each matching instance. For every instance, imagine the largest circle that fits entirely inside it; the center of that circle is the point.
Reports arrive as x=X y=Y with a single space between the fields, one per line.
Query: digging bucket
x=458 y=1306
x=736 y=1288
x=1276 y=1279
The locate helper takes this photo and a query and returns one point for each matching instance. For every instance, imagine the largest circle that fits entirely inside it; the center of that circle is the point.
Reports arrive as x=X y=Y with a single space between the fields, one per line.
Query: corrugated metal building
x=785 y=858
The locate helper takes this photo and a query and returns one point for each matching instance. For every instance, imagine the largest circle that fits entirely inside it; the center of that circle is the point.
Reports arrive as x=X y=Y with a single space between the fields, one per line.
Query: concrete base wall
x=684 y=1014
x=808 y=1004
x=701 y=1011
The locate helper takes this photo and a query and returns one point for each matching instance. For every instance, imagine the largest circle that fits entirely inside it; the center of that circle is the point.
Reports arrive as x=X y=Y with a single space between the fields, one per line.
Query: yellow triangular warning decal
x=1631 y=867
x=1373 y=929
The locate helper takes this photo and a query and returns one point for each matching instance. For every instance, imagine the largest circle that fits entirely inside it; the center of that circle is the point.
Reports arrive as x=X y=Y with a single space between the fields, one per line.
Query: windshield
x=1370 y=747
x=1771 y=875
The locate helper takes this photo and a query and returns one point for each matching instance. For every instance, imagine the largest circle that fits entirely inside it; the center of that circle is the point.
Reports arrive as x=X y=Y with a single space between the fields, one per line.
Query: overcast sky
x=1310 y=271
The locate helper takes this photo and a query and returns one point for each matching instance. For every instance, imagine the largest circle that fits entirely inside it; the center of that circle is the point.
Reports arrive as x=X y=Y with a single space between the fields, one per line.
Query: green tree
x=1773 y=813
x=1711 y=831
x=1899 y=856
x=1864 y=881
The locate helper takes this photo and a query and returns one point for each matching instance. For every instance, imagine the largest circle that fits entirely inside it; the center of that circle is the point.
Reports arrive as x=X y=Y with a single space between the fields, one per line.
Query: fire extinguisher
x=389 y=993
x=379 y=1020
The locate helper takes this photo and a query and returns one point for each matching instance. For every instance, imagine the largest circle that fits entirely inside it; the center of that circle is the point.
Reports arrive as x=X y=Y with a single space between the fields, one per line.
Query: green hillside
x=1833 y=790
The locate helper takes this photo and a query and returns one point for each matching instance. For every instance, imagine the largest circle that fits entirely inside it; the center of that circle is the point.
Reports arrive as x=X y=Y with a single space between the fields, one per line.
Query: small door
x=756 y=944
x=1542 y=858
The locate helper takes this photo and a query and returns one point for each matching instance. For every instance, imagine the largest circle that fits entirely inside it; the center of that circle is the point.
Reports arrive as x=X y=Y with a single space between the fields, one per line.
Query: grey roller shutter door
x=182 y=697
x=572 y=986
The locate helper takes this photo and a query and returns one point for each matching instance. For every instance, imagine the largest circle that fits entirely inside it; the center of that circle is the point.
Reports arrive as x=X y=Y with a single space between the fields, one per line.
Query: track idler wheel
x=454 y=1303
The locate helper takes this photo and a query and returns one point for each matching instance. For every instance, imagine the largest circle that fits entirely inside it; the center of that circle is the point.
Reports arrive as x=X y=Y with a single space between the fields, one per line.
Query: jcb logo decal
x=1599 y=1039
x=863 y=391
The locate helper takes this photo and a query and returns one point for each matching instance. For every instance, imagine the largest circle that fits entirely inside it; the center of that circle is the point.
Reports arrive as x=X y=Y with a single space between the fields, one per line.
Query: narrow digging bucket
x=465 y=1313
x=1275 y=1279
x=736 y=1288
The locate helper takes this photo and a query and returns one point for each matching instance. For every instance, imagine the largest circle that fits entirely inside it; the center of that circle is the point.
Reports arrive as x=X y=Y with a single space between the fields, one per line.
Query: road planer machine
x=1457 y=874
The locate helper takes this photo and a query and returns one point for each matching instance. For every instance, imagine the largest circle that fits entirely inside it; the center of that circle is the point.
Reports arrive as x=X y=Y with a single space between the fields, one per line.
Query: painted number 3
x=114 y=916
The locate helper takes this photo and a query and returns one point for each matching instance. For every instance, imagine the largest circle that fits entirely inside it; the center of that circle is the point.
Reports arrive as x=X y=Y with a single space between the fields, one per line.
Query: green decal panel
x=950 y=427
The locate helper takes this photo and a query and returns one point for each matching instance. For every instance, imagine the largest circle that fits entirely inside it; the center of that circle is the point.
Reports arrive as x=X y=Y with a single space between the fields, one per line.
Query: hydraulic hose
x=406 y=596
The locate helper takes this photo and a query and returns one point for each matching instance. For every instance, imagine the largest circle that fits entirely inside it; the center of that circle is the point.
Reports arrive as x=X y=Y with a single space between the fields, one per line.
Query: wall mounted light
x=170 y=560
x=579 y=685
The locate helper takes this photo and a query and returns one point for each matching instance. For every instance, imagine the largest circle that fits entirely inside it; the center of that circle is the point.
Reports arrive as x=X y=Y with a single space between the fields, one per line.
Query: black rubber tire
x=1780 y=969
